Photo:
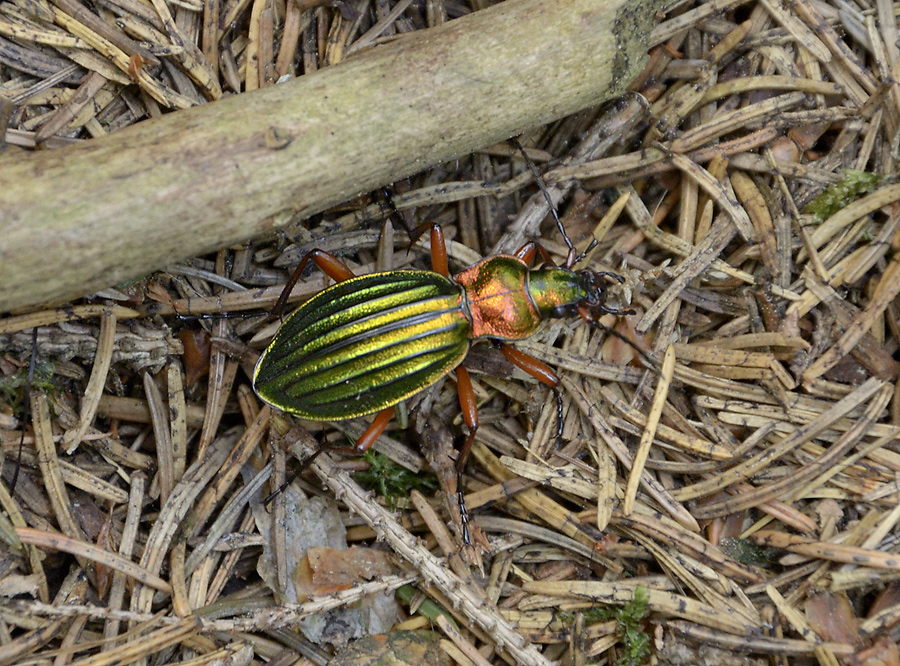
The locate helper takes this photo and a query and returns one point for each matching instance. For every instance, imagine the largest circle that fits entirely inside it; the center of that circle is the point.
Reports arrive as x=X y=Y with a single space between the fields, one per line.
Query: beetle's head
x=595 y=291
x=560 y=292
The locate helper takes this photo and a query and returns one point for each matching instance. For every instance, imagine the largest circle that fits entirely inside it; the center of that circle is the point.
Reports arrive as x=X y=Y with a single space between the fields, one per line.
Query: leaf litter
x=739 y=501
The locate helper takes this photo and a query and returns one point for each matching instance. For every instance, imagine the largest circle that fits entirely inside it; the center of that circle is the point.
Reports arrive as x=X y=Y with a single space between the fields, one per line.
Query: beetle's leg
x=375 y=429
x=439 y=251
x=540 y=371
x=303 y=465
x=470 y=415
x=469 y=412
x=614 y=276
x=543 y=373
x=364 y=442
x=329 y=264
x=616 y=311
x=526 y=253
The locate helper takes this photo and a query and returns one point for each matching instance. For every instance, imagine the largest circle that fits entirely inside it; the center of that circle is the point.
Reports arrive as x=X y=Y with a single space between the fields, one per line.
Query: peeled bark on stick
x=84 y=217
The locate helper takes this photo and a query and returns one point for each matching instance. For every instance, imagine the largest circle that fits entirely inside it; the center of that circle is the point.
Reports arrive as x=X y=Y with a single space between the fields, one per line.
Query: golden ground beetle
x=366 y=343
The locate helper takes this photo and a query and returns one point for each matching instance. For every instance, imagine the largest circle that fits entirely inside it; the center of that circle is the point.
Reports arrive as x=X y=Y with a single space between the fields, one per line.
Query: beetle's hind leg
x=375 y=429
x=306 y=462
x=365 y=441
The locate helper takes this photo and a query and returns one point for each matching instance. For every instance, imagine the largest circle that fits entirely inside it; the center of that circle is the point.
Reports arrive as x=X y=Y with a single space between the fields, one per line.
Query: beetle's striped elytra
x=365 y=344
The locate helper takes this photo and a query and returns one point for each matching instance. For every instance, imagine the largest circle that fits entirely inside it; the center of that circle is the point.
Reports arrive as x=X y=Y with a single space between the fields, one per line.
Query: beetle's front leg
x=333 y=267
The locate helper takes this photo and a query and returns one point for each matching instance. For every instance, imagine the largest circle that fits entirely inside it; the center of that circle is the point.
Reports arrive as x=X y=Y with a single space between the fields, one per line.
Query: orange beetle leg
x=469 y=412
x=543 y=373
x=586 y=314
x=375 y=429
x=527 y=252
x=329 y=264
x=439 y=251
x=470 y=416
x=540 y=371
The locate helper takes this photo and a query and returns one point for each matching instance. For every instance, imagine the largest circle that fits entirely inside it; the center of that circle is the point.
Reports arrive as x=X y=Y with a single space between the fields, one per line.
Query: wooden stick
x=88 y=216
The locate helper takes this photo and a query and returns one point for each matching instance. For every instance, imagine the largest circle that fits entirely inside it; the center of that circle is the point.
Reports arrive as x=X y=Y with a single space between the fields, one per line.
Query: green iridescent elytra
x=364 y=344
x=367 y=343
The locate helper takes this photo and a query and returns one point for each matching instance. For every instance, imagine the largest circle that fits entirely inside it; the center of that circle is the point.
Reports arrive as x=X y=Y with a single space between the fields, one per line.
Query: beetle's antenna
x=26 y=415
x=543 y=187
x=573 y=257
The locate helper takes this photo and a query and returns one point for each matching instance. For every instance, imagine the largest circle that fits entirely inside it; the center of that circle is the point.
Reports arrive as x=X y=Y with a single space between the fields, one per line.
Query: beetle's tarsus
x=306 y=462
x=463 y=512
x=573 y=253
x=616 y=311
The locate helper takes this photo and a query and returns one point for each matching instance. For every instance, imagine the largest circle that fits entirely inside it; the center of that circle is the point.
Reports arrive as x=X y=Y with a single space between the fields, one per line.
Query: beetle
x=368 y=342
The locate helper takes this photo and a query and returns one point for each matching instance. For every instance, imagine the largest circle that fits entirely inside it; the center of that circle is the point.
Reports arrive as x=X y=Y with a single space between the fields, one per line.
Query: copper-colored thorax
x=497 y=298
